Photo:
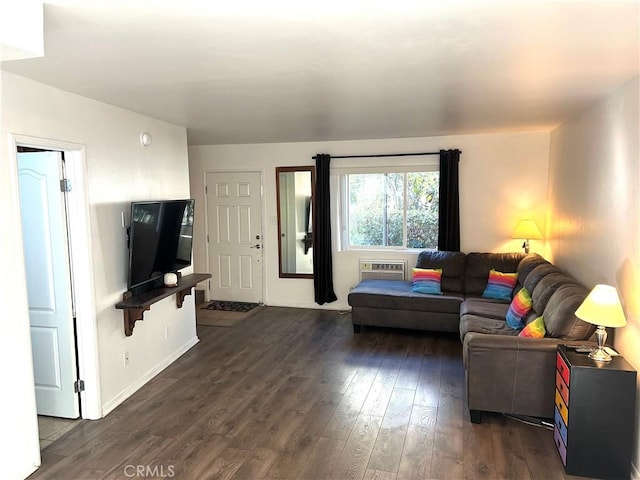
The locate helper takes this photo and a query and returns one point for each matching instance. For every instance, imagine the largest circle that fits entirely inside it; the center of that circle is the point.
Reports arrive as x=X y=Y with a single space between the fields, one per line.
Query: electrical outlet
x=126 y=358
x=166 y=332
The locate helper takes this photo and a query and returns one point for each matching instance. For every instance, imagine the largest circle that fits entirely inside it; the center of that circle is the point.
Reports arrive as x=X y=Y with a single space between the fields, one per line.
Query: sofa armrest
x=511 y=374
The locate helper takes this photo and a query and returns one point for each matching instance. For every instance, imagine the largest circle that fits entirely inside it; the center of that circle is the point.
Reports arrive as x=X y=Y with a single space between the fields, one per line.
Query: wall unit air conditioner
x=383 y=269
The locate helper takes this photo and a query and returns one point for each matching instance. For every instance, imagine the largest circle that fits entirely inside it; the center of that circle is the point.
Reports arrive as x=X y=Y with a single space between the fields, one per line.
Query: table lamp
x=602 y=308
x=527 y=230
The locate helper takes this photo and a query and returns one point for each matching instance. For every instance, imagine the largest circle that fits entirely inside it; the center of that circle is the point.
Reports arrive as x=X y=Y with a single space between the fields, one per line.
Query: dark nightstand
x=594 y=414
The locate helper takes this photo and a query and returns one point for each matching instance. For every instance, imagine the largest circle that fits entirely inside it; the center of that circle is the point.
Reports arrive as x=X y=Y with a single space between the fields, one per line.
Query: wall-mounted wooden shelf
x=134 y=306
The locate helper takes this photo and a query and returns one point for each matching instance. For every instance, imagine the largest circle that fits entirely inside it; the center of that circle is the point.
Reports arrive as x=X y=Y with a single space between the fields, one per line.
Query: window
x=390 y=209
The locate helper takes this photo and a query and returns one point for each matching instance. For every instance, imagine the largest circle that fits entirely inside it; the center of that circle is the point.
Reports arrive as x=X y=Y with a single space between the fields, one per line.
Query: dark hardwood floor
x=293 y=393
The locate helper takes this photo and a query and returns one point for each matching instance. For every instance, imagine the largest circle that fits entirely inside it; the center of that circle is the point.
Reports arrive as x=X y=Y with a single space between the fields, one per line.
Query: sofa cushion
x=479 y=264
x=546 y=287
x=559 y=314
x=482 y=307
x=526 y=266
x=474 y=323
x=397 y=295
x=452 y=265
x=530 y=282
x=426 y=280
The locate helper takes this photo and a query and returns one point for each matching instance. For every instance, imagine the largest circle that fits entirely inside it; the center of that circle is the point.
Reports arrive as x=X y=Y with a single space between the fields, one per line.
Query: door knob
x=255 y=246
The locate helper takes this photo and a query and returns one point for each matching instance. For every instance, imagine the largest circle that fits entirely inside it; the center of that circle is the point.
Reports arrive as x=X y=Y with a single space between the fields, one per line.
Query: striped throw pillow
x=520 y=306
x=535 y=329
x=500 y=285
x=427 y=280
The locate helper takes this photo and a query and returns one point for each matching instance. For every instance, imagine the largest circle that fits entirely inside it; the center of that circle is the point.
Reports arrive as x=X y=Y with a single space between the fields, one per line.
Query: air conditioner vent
x=383 y=269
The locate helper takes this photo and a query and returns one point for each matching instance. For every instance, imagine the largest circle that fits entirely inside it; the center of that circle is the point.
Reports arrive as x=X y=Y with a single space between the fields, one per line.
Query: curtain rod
x=383 y=155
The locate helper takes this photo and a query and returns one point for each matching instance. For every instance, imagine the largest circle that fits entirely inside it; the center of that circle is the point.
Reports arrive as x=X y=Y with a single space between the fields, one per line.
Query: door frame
x=81 y=260
x=207 y=292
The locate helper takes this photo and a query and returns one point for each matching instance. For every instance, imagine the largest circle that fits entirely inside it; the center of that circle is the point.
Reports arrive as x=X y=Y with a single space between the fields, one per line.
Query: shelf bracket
x=132 y=315
x=181 y=294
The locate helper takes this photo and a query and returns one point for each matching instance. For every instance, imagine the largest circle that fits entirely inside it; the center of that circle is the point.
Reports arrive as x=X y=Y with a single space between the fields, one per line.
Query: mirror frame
x=279 y=170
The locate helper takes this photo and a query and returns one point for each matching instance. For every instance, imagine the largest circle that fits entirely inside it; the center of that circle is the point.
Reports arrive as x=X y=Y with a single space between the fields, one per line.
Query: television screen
x=160 y=239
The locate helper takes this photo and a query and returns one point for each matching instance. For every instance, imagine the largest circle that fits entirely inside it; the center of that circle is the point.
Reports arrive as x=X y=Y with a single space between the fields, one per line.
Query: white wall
x=594 y=206
x=503 y=178
x=19 y=447
x=118 y=171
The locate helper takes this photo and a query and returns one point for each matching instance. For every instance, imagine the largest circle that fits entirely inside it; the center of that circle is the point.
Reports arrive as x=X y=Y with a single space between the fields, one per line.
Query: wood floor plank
x=294 y=394
x=223 y=466
x=409 y=373
x=387 y=450
x=301 y=443
x=417 y=451
x=378 y=475
x=323 y=459
x=354 y=458
x=256 y=465
x=509 y=454
x=478 y=457
x=540 y=452
x=344 y=418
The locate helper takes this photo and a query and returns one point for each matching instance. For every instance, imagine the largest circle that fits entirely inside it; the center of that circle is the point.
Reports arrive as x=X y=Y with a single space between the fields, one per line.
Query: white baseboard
x=635 y=474
x=133 y=388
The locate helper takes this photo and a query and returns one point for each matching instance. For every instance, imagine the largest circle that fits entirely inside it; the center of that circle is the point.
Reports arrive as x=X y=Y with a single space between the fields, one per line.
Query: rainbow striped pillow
x=520 y=306
x=427 y=280
x=500 y=285
x=535 y=329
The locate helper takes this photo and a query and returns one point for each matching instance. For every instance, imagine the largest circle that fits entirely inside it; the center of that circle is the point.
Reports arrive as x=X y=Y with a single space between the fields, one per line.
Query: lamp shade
x=527 y=230
x=602 y=307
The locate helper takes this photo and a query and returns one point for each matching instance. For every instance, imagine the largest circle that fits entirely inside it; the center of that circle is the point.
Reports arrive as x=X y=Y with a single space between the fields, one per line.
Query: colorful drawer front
x=561 y=447
x=560 y=426
x=562 y=408
x=562 y=388
x=563 y=369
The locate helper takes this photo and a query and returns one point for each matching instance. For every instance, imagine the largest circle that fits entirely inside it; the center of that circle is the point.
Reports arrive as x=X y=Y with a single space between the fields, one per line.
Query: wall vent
x=383 y=269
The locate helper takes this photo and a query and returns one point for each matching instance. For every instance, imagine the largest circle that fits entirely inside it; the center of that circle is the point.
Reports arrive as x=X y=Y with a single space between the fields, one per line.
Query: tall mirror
x=295 y=187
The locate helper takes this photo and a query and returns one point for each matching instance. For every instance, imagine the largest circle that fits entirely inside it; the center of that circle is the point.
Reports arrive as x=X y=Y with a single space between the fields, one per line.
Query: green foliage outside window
x=376 y=209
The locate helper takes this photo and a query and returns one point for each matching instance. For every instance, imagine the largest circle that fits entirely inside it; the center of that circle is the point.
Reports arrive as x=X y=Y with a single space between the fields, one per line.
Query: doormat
x=230 y=306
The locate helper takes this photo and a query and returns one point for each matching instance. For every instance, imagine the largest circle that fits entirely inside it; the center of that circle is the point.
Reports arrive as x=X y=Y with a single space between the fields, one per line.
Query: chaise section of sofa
x=392 y=303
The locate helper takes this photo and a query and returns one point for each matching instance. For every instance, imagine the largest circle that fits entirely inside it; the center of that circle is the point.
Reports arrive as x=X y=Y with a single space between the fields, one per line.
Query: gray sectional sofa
x=504 y=372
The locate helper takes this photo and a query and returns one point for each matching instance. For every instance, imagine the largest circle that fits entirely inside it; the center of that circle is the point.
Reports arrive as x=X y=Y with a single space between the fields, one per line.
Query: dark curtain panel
x=322 y=258
x=449 y=214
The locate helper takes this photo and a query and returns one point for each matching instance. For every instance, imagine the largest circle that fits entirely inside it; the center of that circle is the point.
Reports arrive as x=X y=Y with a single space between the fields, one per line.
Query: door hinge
x=206 y=190
x=207 y=238
x=65 y=185
x=78 y=386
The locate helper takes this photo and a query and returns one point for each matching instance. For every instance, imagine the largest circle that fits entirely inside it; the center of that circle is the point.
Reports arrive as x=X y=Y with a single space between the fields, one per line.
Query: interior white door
x=46 y=249
x=234 y=211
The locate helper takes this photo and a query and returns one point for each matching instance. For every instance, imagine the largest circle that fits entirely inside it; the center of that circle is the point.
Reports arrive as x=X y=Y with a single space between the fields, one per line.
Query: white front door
x=234 y=219
x=46 y=250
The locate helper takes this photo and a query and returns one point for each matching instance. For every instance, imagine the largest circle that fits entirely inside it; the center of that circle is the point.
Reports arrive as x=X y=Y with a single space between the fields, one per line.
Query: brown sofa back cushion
x=527 y=265
x=536 y=275
x=547 y=286
x=559 y=314
x=452 y=265
x=479 y=264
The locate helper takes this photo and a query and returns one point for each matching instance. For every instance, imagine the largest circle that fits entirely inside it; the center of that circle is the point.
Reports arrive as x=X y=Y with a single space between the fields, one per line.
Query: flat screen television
x=160 y=241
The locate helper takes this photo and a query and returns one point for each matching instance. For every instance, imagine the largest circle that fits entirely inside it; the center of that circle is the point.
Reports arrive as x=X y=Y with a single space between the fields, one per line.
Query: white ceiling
x=239 y=71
